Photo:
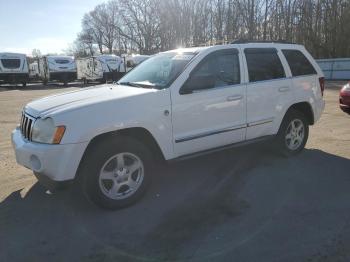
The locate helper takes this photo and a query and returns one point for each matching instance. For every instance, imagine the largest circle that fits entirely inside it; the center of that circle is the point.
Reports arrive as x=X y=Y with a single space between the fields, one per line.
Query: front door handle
x=284 y=89
x=234 y=98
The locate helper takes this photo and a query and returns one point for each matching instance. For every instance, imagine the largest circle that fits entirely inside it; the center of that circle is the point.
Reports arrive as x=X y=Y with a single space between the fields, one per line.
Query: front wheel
x=116 y=172
x=293 y=133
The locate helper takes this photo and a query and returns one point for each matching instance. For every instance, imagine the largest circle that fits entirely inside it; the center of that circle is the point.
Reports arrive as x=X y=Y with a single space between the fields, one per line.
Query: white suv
x=175 y=105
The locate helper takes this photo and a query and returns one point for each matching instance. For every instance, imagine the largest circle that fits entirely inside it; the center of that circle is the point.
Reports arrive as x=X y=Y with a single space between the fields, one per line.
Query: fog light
x=35 y=163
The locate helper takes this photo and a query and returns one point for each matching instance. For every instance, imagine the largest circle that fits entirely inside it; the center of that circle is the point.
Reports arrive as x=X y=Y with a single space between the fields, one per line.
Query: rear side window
x=298 y=63
x=263 y=64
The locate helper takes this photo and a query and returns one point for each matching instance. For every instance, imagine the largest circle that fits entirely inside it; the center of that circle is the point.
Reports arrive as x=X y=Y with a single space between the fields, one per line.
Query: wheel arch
x=303 y=107
x=306 y=109
x=139 y=133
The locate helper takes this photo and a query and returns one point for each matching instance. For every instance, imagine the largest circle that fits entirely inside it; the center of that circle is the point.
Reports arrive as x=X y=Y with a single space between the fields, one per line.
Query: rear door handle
x=284 y=89
x=234 y=98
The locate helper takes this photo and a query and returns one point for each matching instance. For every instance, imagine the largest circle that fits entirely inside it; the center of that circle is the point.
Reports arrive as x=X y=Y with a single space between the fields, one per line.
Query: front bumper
x=344 y=103
x=56 y=162
x=345 y=108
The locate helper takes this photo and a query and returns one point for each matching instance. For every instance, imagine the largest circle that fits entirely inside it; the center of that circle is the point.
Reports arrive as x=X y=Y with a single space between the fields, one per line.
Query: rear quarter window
x=298 y=63
x=263 y=64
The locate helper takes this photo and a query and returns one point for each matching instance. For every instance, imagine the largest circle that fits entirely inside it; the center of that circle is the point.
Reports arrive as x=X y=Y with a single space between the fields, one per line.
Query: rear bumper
x=56 y=162
x=14 y=77
x=63 y=76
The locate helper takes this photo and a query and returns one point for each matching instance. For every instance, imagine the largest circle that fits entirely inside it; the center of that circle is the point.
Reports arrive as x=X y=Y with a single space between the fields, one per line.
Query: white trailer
x=14 y=68
x=34 y=71
x=57 y=68
x=100 y=68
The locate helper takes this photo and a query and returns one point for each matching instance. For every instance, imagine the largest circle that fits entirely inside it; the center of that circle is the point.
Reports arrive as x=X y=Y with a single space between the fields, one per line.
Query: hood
x=76 y=99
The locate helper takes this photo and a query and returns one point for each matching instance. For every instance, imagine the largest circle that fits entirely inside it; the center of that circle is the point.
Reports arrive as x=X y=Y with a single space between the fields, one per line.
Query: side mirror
x=197 y=83
x=186 y=89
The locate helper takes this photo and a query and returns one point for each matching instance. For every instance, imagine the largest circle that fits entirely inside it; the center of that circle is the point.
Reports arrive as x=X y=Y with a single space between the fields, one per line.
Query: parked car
x=13 y=69
x=175 y=105
x=344 y=98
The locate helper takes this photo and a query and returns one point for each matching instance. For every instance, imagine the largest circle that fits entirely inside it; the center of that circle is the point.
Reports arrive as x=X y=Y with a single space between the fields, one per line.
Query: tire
x=291 y=140
x=107 y=181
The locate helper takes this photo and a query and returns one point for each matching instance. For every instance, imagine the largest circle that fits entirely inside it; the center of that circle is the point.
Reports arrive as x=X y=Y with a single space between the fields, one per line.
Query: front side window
x=263 y=64
x=217 y=70
x=298 y=63
x=158 y=71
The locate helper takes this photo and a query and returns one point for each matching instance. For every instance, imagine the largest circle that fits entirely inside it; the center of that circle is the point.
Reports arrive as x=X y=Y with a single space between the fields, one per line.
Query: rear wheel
x=116 y=173
x=293 y=133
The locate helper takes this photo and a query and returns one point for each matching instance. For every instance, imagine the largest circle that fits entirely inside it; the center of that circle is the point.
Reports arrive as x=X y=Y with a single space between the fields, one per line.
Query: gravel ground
x=246 y=204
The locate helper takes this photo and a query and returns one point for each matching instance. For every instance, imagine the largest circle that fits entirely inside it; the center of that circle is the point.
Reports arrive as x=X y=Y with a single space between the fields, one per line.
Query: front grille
x=26 y=126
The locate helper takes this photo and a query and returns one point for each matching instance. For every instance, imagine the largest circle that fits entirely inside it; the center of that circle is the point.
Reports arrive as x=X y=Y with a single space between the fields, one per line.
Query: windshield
x=158 y=71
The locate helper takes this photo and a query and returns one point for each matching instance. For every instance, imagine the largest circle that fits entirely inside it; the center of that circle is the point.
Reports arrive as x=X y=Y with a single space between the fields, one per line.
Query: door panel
x=212 y=117
x=266 y=101
x=268 y=91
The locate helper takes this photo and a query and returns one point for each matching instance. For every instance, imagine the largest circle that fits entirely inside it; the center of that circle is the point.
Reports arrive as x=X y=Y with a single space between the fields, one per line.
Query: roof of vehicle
x=107 y=56
x=250 y=44
x=11 y=54
x=189 y=49
x=60 y=57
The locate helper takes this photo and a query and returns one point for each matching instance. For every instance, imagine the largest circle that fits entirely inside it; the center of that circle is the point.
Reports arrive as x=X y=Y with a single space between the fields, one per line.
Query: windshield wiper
x=129 y=84
x=135 y=84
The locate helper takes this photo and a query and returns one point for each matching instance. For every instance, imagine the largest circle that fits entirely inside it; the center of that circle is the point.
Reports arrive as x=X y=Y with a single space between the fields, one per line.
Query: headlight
x=44 y=131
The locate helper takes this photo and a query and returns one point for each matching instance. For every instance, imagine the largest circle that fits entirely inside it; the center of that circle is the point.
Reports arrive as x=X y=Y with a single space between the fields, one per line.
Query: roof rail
x=244 y=41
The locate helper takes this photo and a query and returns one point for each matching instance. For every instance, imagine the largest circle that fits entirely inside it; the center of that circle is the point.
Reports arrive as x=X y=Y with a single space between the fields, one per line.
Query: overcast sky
x=43 y=24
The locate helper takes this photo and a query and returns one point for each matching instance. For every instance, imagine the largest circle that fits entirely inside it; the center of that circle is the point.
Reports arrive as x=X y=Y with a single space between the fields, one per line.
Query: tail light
x=322 y=83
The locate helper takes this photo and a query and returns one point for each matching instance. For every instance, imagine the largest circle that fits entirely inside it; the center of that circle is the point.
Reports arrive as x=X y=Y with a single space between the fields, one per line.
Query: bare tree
x=150 y=26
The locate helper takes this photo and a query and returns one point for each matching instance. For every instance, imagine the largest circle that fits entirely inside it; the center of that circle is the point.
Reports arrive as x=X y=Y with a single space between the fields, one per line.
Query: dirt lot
x=246 y=204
